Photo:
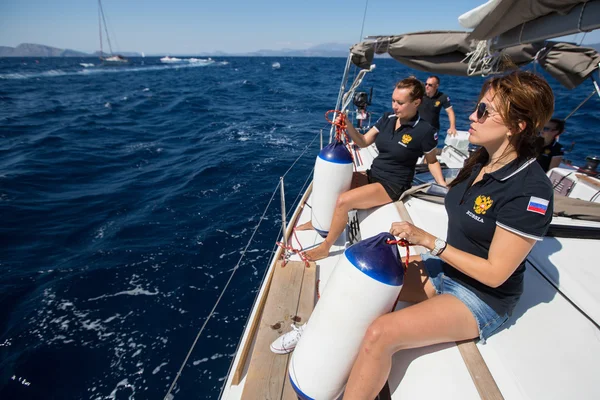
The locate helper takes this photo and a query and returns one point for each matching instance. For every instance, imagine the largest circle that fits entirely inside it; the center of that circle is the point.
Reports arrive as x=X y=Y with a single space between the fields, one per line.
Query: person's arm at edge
x=452 y=119
x=506 y=253
x=555 y=162
x=362 y=140
x=435 y=168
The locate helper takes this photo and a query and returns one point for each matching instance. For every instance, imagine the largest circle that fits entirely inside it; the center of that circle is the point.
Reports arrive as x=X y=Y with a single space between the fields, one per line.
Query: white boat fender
x=332 y=177
x=363 y=286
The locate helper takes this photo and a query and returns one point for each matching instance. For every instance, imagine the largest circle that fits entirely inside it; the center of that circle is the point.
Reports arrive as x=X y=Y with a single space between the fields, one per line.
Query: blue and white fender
x=363 y=286
x=332 y=177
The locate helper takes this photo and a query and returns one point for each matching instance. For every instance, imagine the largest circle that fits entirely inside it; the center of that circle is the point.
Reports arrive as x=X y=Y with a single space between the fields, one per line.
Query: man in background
x=552 y=152
x=432 y=104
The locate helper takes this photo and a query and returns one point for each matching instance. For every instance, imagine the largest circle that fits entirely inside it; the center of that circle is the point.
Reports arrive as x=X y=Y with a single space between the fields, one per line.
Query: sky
x=189 y=27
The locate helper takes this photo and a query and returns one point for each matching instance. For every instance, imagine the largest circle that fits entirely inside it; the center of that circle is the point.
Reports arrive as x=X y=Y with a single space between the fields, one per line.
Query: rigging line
x=251 y=308
x=302 y=189
x=105 y=27
x=273 y=252
x=110 y=28
x=363 y=21
x=301 y=154
x=580 y=104
x=362 y=27
x=220 y=296
x=100 y=28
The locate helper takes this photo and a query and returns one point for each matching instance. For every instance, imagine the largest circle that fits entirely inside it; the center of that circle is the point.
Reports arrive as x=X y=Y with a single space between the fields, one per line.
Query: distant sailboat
x=113 y=59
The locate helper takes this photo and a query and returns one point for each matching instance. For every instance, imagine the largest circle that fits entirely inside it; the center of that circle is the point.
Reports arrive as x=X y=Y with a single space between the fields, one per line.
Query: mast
x=100 y=27
x=105 y=27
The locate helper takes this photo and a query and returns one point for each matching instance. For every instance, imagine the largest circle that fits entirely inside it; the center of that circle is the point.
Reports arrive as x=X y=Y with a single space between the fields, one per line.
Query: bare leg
x=363 y=197
x=439 y=319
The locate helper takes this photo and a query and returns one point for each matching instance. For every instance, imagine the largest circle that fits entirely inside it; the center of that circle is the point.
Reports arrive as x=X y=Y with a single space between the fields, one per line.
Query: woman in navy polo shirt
x=498 y=206
x=401 y=137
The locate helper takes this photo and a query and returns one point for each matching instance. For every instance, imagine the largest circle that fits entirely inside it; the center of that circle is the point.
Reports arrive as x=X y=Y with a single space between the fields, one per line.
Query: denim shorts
x=487 y=319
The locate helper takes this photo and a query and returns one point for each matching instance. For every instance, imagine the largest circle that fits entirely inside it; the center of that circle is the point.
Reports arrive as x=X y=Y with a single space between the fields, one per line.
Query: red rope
x=404 y=243
x=341 y=124
x=291 y=249
x=341 y=131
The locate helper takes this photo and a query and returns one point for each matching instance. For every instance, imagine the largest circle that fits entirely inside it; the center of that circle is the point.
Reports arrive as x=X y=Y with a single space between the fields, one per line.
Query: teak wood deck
x=291 y=298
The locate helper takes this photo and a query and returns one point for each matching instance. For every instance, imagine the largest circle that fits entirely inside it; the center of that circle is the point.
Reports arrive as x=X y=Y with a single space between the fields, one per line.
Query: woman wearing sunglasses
x=498 y=206
x=552 y=152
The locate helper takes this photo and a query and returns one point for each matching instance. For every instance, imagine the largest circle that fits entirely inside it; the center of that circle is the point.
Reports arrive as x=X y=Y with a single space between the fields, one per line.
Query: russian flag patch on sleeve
x=537 y=205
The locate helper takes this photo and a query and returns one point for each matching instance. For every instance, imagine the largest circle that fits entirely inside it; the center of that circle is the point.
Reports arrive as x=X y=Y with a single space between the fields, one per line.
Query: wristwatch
x=440 y=246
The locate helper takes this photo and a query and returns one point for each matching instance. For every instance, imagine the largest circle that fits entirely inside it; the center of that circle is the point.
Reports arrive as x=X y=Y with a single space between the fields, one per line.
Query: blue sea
x=127 y=195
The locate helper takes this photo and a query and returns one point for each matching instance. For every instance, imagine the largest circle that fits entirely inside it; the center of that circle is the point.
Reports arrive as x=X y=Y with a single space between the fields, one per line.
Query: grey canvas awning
x=512 y=22
x=446 y=52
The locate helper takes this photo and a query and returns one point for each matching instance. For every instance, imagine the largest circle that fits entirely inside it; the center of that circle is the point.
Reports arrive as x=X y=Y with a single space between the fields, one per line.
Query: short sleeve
x=446 y=102
x=430 y=141
x=529 y=214
x=382 y=121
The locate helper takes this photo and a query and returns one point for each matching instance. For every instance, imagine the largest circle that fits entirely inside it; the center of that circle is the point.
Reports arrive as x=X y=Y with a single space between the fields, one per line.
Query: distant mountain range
x=322 y=50
x=40 y=50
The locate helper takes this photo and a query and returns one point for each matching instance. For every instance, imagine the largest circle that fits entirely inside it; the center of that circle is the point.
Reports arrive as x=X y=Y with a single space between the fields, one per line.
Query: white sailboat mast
x=100 y=30
x=105 y=28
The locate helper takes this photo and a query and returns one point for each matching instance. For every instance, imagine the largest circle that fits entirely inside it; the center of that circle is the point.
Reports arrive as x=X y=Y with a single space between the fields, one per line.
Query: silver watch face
x=439 y=243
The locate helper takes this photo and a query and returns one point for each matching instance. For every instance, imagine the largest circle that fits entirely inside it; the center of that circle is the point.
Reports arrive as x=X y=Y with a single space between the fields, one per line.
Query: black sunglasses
x=482 y=110
x=429 y=84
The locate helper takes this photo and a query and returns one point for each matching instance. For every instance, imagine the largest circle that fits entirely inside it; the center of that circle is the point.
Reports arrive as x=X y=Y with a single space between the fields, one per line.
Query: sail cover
x=448 y=52
x=513 y=22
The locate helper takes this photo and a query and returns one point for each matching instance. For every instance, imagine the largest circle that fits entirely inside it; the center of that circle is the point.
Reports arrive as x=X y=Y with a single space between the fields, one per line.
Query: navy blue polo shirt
x=399 y=149
x=430 y=108
x=519 y=198
x=554 y=149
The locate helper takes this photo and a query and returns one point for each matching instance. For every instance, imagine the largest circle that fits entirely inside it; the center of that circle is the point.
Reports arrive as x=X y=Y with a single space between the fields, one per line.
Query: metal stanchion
x=283 y=221
x=321 y=148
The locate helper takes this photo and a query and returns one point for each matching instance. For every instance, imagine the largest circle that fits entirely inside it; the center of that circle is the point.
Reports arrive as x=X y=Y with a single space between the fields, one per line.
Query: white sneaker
x=287 y=342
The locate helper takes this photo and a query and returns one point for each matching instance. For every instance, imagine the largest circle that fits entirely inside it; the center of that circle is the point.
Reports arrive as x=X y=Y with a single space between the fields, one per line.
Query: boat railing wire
x=237 y=266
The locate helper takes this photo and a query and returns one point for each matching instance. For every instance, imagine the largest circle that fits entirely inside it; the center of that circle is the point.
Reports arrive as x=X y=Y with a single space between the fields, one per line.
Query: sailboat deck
x=536 y=355
x=291 y=299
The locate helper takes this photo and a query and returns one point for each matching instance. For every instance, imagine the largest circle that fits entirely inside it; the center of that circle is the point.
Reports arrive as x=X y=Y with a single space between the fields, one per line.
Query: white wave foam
x=155 y=370
x=133 y=292
x=125 y=385
x=113 y=70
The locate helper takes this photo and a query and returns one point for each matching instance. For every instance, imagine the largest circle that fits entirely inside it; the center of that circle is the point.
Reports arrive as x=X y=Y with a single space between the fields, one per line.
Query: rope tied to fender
x=403 y=243
x=341 y=125
x=341 y=133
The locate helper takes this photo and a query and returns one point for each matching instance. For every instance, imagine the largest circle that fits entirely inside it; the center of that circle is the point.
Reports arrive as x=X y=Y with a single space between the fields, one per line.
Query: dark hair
x=522 y=97
x=560 y=125
x=437 y=78
x=417 y=90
